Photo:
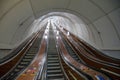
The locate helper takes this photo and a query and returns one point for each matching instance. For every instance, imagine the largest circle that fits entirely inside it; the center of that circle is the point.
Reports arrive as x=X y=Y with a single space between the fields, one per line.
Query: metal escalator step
x=57 y=79
x=33 y=50
x=53 y=61
x=11 y=74
x=24 y=63
x=53 y=68
x=20 y=66
x=17 y=70
x=54 y=71
x=30 y=54
x=30 y=57
x=52 y=52
x=50 y=55
x=53 y=64
x=52 y=58
x=27 y=60
x=56 y=76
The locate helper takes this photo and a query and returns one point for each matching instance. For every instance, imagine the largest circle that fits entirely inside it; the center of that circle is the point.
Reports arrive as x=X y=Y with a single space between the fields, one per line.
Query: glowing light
x=47 y=27
x=68 y=33
x=45 y=36
x=56 y=37
x=57 y=32
x=46 y=31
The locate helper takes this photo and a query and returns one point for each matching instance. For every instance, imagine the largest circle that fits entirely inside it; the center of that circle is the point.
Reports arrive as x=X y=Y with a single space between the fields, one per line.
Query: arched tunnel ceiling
x=99 y=15
x=88 y=9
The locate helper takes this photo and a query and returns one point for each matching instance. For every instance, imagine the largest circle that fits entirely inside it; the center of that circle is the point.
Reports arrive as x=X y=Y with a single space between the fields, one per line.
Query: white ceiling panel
x=108 y=33
x=107 y=5
x=5 y=5
x=12 y=20
x=115 y=17
x=86 y=8
x=48 y=4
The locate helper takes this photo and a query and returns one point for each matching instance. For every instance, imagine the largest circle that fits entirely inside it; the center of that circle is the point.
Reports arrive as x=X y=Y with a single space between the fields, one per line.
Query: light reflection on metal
x=56 y=37
x=45 y=36
x=68 y=33
x=57 y=32
x=48 y=26
x=46 y=31
x=42 y=62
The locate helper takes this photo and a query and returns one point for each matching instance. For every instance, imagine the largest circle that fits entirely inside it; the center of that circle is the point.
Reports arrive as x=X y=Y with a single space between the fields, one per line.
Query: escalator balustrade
x=25 y=61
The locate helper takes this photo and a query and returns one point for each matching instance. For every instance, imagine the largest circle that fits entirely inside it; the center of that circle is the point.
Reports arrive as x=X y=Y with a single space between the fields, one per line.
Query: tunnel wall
x=15 y=20
x=101 y=18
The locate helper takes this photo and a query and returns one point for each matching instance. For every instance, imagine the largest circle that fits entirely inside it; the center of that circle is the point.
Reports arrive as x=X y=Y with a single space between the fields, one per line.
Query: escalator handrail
x=94 y=61
x=28 y=47
x=91 y=47
x=43 y=66
x=68 y=64
x=92 y=58
x=16 y=50
x=90 y=69
x=71 y=65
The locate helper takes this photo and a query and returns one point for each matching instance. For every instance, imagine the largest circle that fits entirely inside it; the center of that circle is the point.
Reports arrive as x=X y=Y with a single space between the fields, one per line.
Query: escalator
x=54 y=70
x=24 y=61
x=71 y=52
x=93 y=51
x=93 y=62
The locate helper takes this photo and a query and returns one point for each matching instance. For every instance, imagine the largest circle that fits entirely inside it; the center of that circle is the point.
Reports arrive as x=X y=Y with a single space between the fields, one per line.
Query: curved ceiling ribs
x=96 y=14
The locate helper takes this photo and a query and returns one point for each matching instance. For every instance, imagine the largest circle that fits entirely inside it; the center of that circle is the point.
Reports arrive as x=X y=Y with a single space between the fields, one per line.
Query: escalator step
x=57 y=79
x=17 y=70
x=54 y=71
x=50 y=55
x=51 y=58
x=28 y=57
x=30 y=54
x=55 y=76
x=53 y=61
x=54 y=64
x=52 y=52
x=27 y=60
x=24 y=63
x=54 y=67
x=19 y=66
x=33 y=50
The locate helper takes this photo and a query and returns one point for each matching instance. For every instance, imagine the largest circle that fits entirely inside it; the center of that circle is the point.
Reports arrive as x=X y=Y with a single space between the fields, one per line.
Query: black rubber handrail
x=95 y=49
x=91 y=66
x=30 y=43
x=16 y=50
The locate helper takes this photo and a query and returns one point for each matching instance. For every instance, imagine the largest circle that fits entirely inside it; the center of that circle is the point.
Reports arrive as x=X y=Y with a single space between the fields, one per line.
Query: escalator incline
x=25 y=61
x=54 y=70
